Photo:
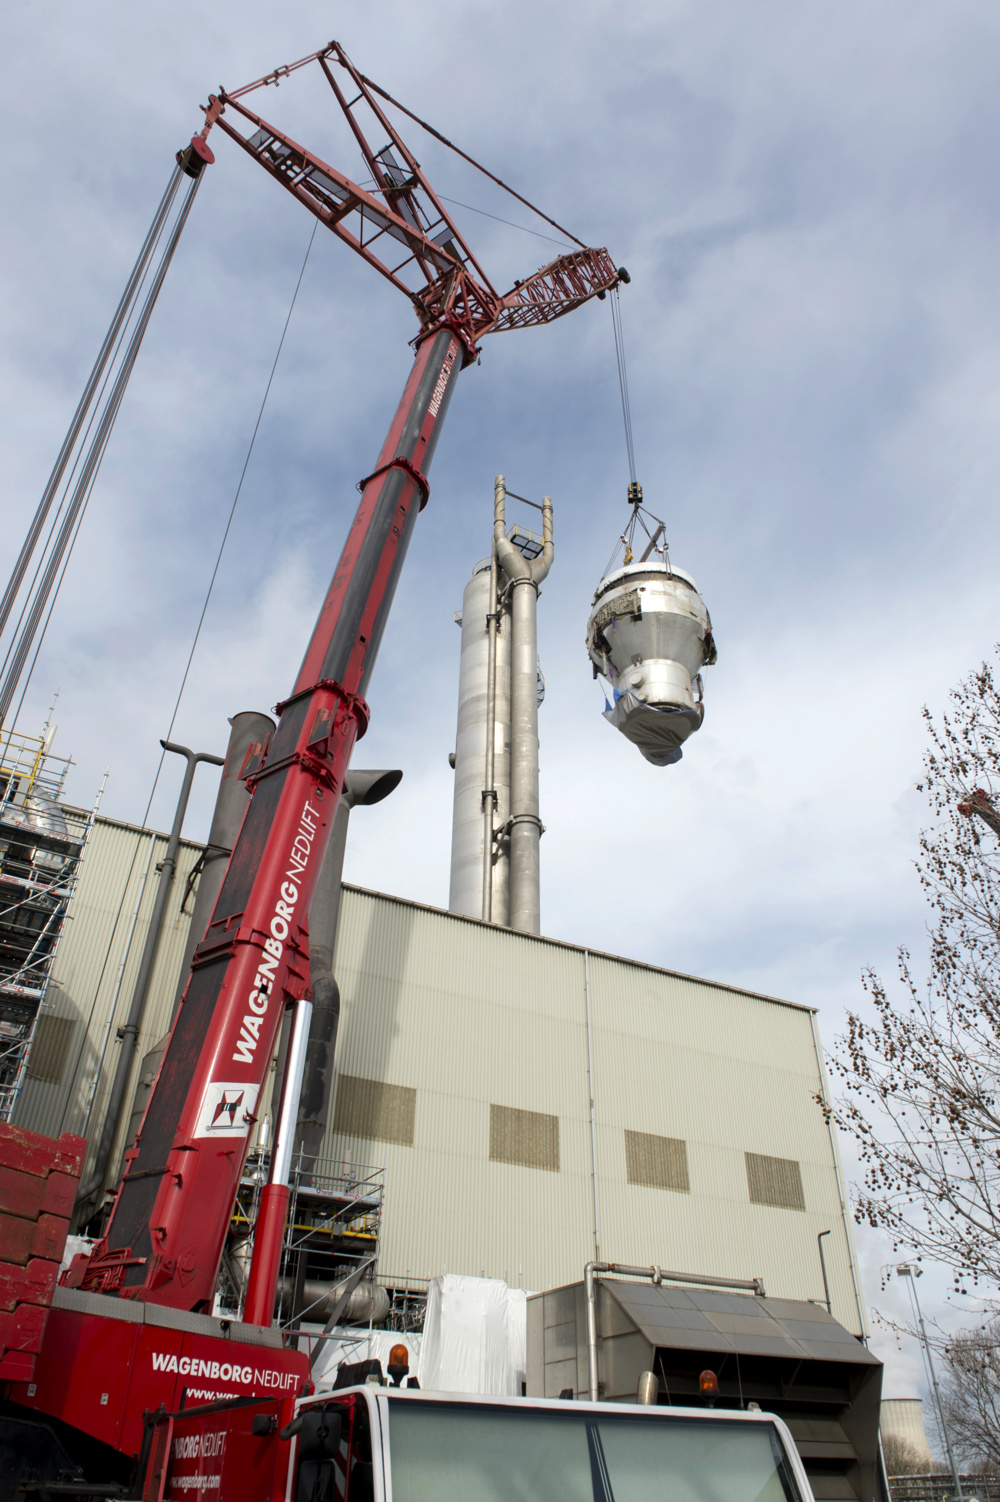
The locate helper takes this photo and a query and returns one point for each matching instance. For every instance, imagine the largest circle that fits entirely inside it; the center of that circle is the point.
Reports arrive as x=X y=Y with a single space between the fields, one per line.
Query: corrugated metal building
x=534 y=1104
x=75 y=1049
x=464 y=1065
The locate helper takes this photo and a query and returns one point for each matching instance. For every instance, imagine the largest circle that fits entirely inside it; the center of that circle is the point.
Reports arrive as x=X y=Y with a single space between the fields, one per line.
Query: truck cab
x=379 y=1444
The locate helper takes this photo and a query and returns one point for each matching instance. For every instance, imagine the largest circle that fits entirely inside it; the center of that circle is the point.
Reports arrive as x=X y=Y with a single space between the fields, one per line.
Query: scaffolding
x=42 y=842
x=333 y=1227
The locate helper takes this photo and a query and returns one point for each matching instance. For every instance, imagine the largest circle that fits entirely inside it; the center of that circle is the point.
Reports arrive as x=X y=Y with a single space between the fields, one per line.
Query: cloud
x=807 y=201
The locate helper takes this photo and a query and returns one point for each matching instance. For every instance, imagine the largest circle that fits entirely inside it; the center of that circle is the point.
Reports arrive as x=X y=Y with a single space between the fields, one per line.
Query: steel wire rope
x=73 y=433
x=471 y=160
x=91 y=465
x=616 y=319
x=117 y=335
x=173 y=718
x=523 y=227
x=639 y=512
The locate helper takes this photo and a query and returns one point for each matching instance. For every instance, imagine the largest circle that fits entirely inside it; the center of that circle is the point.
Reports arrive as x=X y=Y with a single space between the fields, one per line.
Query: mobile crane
x=129 y=1331
x=133 y=1389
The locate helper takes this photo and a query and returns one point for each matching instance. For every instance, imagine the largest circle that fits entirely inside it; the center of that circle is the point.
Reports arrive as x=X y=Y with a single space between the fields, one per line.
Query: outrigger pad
x=658 y=733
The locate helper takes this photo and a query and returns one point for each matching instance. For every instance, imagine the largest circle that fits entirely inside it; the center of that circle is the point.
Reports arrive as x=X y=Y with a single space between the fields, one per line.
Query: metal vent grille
x=373 y=1109
x=657 y=1162
x=527 y=1138
x=774 y=1181
x=49 y=1049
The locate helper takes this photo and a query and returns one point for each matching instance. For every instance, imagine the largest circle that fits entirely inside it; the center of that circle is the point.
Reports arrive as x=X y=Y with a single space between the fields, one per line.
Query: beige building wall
x=464 y=1068
x=467 y=1023
x=75 y=1051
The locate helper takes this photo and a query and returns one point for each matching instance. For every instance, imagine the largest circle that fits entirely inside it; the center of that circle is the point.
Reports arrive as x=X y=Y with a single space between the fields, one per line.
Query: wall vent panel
x=50 y=1047
x=528 y=1138
x=375 y=1110
x=656 y=1162
x=774 y=1181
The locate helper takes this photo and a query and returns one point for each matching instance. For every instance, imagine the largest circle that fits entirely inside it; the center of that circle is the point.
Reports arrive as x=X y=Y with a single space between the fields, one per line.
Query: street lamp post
x=904 y=1270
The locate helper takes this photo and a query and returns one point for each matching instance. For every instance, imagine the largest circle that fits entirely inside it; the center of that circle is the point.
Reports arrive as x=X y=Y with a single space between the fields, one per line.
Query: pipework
x=524 y=824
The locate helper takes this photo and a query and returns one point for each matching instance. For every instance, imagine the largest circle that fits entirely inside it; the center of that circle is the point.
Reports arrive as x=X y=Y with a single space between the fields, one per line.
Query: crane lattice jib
x=399 y=225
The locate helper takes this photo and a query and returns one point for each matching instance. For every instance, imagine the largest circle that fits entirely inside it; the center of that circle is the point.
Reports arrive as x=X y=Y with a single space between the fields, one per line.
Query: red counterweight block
x=38 y=1183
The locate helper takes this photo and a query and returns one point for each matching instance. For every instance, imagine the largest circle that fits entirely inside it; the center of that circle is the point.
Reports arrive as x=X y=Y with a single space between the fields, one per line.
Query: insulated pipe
x=479 y=886
x=489 y=778
x=363 y=788
x=248 y=728
x=525 y=826
x=657 y=1275
x=130 y=1032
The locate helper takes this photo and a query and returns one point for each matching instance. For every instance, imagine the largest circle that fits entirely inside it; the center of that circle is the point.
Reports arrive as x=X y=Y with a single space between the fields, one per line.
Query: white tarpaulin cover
x=474 y=1337
x=474 y=1340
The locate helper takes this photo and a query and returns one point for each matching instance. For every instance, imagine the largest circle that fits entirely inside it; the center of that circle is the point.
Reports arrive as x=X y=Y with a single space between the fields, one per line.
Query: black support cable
x=616 y=319
x=121 y=316
x=90 y=468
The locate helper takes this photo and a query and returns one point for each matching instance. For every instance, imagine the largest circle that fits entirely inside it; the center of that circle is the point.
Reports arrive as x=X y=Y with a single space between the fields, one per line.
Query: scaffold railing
x=42 y=843
x=333 y=1225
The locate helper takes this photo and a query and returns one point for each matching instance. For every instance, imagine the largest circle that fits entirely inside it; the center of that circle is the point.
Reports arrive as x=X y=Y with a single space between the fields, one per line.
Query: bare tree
x=970 y=1397
x=922 y=1076
x=902 y=1458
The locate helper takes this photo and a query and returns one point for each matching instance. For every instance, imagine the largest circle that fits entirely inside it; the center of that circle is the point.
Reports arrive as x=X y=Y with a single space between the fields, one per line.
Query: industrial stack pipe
x=249 y=733
x=525 y=826
x=90 y=1193
x=481 y=759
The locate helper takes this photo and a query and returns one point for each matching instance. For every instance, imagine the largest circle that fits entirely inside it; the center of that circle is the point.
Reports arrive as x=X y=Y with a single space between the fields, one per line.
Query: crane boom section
x=168 y=1225
x=165 y=1237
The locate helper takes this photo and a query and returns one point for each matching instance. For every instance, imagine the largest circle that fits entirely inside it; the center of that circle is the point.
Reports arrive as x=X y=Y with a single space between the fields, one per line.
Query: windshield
x=452 y=1452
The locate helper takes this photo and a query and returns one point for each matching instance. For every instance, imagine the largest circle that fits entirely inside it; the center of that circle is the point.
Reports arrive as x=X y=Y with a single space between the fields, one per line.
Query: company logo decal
x=274 y=946
x=228 y=1106
x=223 y=1371
x=437 y=395
x=226 y=1109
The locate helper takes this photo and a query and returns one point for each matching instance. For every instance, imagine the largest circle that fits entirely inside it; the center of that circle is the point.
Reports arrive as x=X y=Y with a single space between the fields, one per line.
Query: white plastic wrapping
x=474 y=1340
x=517 y=1335
x=474 y=1337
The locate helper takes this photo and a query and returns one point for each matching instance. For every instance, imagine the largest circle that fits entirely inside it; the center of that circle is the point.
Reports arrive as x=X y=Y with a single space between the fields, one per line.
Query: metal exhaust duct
x=482 y=782
x=525 y=575
x=495 y=825
x=249 y=731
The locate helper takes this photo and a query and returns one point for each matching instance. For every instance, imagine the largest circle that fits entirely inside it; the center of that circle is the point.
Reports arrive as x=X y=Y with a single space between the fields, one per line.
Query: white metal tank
x=649 y=635
x=45 y=814
x=466 y=894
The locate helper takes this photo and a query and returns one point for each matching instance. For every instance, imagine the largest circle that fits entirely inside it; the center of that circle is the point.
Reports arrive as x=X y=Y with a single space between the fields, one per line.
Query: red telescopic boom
x=168 y=1225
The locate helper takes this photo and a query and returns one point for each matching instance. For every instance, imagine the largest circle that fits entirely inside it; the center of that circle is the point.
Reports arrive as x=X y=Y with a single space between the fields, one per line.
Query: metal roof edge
x=158 y=834
x=601 y=954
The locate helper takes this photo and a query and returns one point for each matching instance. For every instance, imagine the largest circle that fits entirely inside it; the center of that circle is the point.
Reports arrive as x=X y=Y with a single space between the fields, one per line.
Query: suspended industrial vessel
x=649 y=636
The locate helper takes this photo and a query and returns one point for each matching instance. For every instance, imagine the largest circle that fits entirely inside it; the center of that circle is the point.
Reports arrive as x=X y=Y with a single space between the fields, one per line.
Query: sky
x=807 y=200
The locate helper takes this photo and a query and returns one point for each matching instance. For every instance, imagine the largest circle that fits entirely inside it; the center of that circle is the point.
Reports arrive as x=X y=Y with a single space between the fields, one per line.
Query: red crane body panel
x=100 y=1374
x=168 y=1226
